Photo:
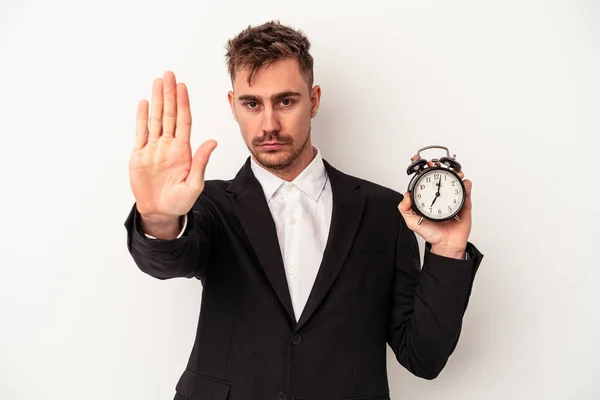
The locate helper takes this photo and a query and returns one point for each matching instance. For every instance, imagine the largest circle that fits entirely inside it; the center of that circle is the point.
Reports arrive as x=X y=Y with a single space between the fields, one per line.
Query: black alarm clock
x=437 y=193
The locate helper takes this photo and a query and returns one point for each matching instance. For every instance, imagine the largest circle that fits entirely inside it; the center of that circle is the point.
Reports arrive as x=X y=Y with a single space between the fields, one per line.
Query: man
x=307 y=272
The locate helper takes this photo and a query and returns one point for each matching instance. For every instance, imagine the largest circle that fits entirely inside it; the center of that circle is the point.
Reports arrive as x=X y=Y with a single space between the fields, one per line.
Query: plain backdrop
x=511 y=87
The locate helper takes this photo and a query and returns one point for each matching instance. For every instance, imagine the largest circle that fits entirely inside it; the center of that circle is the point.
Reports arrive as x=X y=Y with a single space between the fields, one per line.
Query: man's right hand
x=164 y=178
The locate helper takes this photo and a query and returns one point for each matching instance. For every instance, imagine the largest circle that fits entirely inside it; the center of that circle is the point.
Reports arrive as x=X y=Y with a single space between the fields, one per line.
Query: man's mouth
x=272 y=145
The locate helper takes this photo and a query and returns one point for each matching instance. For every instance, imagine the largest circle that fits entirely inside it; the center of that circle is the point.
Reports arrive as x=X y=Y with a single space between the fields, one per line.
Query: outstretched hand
x=164 y=178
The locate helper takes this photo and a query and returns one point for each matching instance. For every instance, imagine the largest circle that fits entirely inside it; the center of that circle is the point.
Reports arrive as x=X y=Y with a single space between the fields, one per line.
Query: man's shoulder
x=373 y=189
x=215 y=190
x=217 y=184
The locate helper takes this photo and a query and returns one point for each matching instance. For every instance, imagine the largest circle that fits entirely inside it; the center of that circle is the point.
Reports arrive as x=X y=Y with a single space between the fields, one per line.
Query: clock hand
x=438 y=192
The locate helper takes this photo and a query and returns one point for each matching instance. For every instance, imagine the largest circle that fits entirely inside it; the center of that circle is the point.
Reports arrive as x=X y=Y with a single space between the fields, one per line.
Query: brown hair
x=259 y=46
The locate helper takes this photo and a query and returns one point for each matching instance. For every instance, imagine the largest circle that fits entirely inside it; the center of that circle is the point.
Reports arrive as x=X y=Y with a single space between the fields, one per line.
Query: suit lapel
x=348 y=205
x=255 y=217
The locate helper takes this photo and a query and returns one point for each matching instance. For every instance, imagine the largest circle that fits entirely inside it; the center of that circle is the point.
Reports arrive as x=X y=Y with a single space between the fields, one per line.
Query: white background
x=511 y=87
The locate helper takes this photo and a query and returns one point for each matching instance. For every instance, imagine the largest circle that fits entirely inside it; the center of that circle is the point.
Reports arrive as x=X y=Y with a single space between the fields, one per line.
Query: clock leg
x=421 y=220
x=456 y=218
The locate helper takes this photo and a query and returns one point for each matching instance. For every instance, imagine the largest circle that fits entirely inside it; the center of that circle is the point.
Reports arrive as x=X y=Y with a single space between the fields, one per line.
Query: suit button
x=281 y=396
x=296 y=339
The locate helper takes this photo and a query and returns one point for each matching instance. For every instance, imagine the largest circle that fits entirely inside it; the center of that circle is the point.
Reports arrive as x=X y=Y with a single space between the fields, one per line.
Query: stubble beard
x=281 y=161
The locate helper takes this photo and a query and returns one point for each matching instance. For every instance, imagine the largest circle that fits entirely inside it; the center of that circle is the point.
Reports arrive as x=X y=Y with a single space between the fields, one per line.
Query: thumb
x=405 y=206
x=196 y=175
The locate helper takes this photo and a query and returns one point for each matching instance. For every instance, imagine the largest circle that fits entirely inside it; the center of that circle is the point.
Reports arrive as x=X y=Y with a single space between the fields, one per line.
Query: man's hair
x=259 y=46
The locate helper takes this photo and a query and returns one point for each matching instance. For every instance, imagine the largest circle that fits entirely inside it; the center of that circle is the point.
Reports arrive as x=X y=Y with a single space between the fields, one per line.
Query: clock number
x=422 y=204
x=422 y=187
x=419 y=195
x=430 y=210
x=454 y=201
x=449 y=208
x=440 y=211
x=428 y=179
x=456 y=191
x=435 y=176
x=453 y=182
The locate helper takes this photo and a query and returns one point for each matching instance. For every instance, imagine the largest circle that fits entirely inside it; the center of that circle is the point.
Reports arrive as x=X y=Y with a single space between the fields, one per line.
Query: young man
x=307 y=272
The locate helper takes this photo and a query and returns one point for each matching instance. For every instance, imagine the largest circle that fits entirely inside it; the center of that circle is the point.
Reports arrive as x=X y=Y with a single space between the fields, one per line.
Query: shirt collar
x=311 y=180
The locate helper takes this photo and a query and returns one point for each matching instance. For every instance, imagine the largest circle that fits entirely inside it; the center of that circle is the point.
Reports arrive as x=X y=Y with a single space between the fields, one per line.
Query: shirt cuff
x=180 y=233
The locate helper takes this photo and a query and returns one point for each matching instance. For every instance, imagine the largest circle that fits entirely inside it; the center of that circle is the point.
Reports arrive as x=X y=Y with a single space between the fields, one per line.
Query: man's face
x=274 y=113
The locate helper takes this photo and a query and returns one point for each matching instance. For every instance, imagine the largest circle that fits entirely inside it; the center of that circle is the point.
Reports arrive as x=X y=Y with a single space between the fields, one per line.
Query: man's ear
x=315 y=100
x=231 y=99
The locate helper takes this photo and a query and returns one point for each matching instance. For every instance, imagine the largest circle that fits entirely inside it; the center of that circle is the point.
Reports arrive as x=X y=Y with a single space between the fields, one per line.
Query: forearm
x=440 y=301
x=186 y=256
x=428 y=305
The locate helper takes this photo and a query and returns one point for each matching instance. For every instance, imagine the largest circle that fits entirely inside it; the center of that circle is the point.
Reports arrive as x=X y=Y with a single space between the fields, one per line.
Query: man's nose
x=270 y=122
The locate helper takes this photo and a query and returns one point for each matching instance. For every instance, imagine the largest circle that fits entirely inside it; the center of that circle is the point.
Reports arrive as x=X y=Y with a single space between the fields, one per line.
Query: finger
x=184 y=116
x=157 y=109
x=468 y=188
x=196 y=176
x=468 y=185
x=170 y=106
x=141 y=126
x=461 y=174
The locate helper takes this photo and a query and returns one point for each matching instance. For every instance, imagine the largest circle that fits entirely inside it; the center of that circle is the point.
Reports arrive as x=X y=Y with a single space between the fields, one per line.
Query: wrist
x=161 y=228
x=450 y=250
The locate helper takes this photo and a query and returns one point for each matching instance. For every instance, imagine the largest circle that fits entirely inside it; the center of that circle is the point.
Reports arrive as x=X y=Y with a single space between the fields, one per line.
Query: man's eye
x=286 y=102
x=251 y=104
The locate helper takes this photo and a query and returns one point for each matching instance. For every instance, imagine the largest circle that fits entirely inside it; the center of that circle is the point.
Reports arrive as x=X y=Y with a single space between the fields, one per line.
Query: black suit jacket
x=370 y=290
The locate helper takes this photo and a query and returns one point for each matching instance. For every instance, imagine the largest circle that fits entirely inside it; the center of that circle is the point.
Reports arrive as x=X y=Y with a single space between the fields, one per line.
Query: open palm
x=164 y=178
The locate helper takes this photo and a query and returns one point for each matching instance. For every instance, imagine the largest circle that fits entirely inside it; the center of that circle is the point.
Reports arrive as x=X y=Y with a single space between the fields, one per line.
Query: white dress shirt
x=301 y=210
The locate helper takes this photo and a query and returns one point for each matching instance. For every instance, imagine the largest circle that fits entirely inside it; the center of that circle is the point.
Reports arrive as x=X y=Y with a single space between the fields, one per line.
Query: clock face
x=438 y=194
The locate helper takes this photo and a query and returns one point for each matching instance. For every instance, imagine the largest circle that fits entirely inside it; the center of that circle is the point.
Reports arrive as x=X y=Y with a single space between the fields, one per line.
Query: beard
x=277 y=159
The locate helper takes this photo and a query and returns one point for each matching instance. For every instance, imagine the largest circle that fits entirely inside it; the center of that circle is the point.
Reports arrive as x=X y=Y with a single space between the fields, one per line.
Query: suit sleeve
x=186 y=256
x=428 y=304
